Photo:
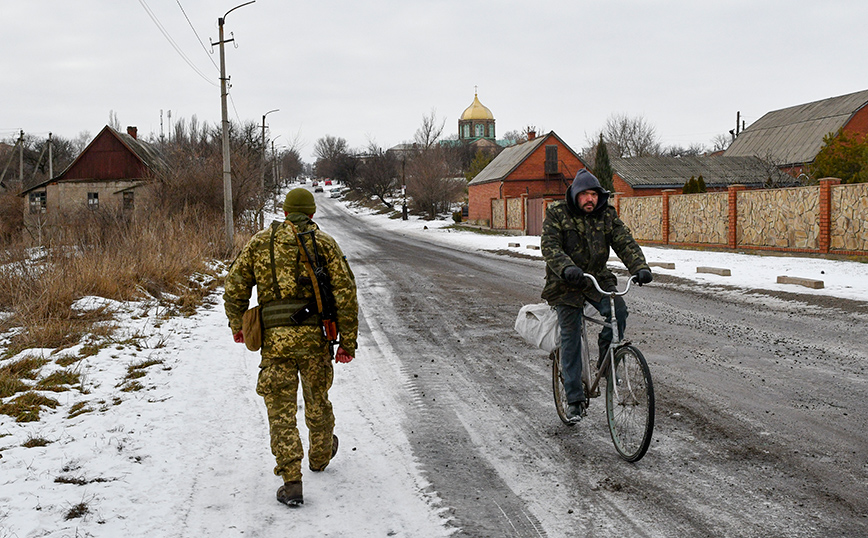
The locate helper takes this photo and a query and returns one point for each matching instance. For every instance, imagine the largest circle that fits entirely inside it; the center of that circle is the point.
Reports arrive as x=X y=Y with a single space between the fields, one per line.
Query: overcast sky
x=369 y=70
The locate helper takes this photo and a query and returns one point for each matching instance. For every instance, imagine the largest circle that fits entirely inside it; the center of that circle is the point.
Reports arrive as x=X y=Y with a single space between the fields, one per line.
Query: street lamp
x=227 y=169
x=262 y=176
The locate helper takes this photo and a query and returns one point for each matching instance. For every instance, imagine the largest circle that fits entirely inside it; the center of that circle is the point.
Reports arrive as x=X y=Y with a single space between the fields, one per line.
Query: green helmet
x=299 y=200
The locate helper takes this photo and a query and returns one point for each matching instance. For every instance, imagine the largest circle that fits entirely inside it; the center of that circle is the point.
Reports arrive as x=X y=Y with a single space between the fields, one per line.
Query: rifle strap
x=277 y=295
x=307 y=265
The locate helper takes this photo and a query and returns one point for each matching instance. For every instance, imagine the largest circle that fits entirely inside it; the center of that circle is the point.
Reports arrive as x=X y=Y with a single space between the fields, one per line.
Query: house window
x=129 y=200
x=551 y=166
x=37 y=202
x=466 y=130
x=93 y=201
x=480 y=130
x=491 y=131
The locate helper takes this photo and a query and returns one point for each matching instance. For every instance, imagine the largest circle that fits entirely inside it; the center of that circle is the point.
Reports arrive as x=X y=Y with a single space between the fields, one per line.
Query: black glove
x=643 y=276
x=573 y=274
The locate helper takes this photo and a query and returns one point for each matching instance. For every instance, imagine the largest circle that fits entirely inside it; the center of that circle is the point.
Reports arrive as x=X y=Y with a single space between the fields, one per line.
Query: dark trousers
x=570 y=321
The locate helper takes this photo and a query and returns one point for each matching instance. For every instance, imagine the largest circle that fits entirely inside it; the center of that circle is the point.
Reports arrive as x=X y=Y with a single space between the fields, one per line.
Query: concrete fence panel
x=849 y=226
x=644 y=216
x=779 y=218
x=698 y=218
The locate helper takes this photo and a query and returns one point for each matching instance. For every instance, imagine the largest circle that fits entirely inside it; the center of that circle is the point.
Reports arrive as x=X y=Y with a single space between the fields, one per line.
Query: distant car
x=315 y=183
x=328 y=182
x=317 y=189
x=335 y=194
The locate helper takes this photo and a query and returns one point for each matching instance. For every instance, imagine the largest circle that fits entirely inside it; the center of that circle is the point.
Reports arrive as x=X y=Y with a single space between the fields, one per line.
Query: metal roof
x=674 y=172
x=794 y=135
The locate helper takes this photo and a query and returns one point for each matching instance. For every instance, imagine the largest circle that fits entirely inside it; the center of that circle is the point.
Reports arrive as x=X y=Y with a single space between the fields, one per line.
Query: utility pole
x=21 y=159
x=403 y=189
x=227 y=168
x=262 y=175
x=50 y=159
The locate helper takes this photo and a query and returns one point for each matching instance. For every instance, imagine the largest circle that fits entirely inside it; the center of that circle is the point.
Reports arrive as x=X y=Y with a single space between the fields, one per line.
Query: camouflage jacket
x=572 y=237
x=252 y=267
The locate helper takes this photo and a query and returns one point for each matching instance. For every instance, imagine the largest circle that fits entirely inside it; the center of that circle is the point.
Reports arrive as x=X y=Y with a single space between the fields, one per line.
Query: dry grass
x=59 y=381
x=33 y=442
x=27 y=406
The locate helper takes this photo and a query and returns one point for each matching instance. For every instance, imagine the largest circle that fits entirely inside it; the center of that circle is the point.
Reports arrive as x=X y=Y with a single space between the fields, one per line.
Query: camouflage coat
x=572 y=237
x=252 y=267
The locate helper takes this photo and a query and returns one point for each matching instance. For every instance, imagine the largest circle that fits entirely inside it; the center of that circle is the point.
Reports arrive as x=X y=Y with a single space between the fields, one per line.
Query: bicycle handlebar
x=615 y=293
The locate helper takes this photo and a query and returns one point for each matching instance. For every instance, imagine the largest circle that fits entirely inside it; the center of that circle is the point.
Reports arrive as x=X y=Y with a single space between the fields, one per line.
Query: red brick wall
x=479 y=201
x=858 y=123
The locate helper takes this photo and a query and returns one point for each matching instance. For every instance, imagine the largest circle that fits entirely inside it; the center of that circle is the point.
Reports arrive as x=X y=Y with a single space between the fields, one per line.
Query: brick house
x=511 y=193
x=792 y=137
x=106 y=176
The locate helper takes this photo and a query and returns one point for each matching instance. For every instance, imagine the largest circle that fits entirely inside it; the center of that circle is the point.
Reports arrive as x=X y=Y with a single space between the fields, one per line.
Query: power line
x=172 y=42
x=197 y=36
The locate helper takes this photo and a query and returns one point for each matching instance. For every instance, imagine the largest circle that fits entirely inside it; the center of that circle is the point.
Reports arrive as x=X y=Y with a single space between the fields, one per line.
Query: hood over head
x=584 y=181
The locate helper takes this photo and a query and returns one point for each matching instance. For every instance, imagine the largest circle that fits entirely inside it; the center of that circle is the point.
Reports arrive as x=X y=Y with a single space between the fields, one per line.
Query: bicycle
x=629 y=392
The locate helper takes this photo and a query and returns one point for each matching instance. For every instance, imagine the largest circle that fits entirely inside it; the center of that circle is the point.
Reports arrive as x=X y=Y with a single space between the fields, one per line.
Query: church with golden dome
x=476 y=122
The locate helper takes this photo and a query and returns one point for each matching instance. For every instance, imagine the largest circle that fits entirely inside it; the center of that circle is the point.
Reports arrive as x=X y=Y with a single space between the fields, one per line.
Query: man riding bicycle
x=576 y=238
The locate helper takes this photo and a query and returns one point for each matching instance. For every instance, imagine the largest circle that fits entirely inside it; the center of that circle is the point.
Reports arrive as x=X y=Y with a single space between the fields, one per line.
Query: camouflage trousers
x=278 y=385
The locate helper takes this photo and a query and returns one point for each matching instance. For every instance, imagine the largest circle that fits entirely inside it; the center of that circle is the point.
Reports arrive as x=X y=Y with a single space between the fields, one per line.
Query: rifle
x=322 y=289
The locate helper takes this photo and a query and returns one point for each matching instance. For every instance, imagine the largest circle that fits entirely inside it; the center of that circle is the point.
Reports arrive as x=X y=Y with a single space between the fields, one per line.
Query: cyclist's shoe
x=575 y=412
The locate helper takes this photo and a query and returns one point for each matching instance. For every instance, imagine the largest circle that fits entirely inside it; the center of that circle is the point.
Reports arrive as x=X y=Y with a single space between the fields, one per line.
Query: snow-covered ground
x=188 y=454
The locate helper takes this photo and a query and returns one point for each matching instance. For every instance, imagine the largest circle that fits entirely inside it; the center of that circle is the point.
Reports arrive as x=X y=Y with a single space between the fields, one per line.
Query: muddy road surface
x=762 y=401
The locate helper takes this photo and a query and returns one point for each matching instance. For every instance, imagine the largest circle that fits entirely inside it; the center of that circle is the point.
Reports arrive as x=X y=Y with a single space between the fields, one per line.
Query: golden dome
x=477 y=111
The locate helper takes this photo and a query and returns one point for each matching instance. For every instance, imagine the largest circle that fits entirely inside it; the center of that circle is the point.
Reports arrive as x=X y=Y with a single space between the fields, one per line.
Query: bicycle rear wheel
x=558 y=387
x=630 y=404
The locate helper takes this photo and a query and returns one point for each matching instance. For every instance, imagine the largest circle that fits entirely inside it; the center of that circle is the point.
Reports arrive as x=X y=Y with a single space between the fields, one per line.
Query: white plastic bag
x=538 y=325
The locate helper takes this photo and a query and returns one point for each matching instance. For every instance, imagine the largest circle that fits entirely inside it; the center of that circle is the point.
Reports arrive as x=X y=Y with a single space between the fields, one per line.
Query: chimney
x=531 y=135
x=132 y=131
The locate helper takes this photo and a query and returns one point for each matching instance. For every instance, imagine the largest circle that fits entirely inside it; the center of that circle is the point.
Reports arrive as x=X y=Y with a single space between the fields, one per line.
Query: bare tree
x=514 y=137
x=720 y=142
x=329 y=152
x=693 y=150
x=429 y=132
x=434 y=181
x=378 y=172
x=628 y=136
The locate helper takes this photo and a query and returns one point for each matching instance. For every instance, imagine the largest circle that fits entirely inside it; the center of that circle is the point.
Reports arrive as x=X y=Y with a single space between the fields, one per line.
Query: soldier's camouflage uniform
x=572 y=237
x=290 y=353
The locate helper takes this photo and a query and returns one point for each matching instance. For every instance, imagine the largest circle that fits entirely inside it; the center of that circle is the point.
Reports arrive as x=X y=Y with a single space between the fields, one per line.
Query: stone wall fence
x=828 y=218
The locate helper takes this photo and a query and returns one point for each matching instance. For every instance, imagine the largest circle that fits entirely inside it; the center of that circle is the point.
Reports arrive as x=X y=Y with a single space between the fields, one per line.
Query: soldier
x=577 y=235
x=294 y=345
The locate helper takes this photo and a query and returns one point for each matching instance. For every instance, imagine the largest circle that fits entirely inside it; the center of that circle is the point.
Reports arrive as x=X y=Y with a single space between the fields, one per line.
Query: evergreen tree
x=688 y=186
x=480 y=161
x=603 y=167
x=844 y=156
x=700 y=184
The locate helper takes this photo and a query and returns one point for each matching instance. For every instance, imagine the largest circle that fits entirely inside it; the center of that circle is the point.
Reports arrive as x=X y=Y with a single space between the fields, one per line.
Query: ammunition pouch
x=289 y=313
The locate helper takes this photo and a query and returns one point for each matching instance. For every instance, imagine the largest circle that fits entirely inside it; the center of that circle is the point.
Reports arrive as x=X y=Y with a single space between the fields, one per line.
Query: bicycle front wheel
x=630 y=404
x=558 y=387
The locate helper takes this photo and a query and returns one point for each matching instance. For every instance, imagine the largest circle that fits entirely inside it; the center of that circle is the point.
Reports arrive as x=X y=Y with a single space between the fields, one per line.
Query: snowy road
x=446 y=418
x=761 y=423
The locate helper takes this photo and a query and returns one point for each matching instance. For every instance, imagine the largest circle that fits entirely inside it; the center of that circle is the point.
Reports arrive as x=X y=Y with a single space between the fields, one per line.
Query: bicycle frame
x=617 y=338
